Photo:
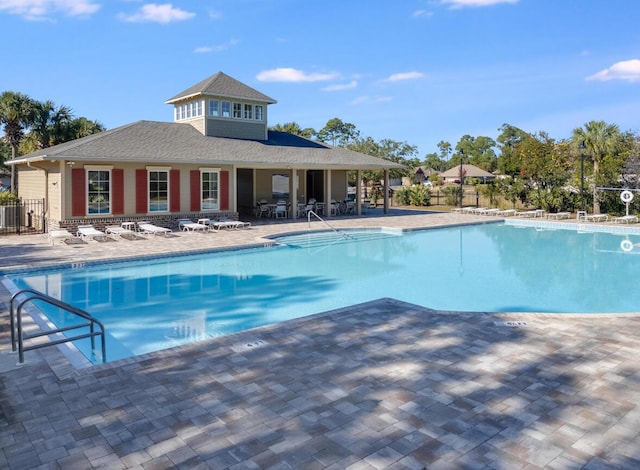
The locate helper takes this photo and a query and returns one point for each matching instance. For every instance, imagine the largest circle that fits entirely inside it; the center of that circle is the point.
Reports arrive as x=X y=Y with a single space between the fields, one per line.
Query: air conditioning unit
x=10 y=216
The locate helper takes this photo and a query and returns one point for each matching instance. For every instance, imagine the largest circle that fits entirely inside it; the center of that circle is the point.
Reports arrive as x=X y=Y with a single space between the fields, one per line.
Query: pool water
x=152 y=305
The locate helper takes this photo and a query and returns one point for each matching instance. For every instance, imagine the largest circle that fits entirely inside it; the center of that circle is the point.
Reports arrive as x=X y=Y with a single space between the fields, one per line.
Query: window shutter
x=174 y=190
x=224 y=190
x=194 y=190
x=117 y=191
x=78 y=192
x=142 y=206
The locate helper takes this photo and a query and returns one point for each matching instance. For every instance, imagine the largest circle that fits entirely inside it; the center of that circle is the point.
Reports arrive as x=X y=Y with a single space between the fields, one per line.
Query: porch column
x=234 y=189
x=327 y=203
x=386 y=191
x=293 y=192
x=359 y=192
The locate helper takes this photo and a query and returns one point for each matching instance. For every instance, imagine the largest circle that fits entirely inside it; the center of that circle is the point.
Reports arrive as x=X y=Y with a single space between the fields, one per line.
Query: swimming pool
x=150 y=305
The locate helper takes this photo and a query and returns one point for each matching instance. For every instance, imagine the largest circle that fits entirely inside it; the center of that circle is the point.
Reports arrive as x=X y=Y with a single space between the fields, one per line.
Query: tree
x=601 y=142
x=338 y=133
x=295 y=129
x=508 y=141
x=48 y=122
x=16 y=114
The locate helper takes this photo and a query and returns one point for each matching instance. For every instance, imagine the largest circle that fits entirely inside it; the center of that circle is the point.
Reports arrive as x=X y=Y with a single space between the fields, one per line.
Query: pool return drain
x=249 y=345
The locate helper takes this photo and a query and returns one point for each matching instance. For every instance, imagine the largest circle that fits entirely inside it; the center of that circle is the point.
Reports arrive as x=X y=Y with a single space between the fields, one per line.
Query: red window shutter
x=194 y=190
x=174 y=190
x=142 y=205
x=78 y=192
x=117 y=191
x=224 y=190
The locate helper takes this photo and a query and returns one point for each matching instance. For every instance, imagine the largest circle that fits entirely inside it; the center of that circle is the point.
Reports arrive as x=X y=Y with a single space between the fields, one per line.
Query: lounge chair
x=60 y=235
x=214 y=225
x=237 y=224
x=532 y=213
x=188 y=225
x=89 y=232
x=147 y=228
x=117 y=231
x=492 y=211
x=626 y=219
x=596 y=217
x=507 y=212
x=558 y=215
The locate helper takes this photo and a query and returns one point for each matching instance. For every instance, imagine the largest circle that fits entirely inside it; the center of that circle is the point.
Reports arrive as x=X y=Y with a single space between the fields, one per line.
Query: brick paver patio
x=379 y=385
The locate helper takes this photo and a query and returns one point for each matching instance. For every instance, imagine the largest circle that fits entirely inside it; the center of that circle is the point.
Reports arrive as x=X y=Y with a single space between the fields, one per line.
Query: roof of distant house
x=469 y=171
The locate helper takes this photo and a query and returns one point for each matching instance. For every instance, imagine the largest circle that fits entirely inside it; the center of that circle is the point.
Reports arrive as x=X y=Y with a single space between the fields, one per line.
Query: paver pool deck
x=373 y=386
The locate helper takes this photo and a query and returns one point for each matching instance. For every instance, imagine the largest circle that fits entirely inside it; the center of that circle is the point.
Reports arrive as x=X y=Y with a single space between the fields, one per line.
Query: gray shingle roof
x=223 y=85
x=171 y=143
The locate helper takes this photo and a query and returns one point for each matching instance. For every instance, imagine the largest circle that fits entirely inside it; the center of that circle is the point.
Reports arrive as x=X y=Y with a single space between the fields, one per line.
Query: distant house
x=468 y=172
x=217 y=157
x=423 y=174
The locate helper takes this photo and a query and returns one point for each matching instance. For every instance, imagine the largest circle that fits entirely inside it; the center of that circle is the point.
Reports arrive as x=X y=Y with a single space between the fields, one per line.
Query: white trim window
x=259 y=115
x=248 y=111
x=226 y=109
x=214 y=108
x=237 y=110
x=158 y=190
x=210 y=189
x=98 y=191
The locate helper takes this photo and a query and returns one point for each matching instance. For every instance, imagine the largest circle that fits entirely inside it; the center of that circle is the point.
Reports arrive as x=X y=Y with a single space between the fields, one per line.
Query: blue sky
x=415 y=71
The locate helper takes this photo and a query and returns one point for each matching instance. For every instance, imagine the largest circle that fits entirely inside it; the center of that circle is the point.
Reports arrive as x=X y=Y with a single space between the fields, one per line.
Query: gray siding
x=236 y=129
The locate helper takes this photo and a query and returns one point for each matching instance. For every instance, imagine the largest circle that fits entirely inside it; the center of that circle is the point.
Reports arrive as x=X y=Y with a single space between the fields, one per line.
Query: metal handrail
x=342 y=234
x=17 y=336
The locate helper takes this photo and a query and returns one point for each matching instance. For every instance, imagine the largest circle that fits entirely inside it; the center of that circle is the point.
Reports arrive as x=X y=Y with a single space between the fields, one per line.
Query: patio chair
x=89 y=232
x=281 y=211
x=147 y=228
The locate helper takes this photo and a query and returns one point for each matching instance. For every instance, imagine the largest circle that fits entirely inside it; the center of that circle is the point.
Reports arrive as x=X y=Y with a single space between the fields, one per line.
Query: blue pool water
x=151 y=305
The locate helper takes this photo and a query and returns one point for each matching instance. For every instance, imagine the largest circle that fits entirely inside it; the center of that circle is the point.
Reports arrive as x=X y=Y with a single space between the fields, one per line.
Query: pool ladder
x=17 y=334
x=338 y=232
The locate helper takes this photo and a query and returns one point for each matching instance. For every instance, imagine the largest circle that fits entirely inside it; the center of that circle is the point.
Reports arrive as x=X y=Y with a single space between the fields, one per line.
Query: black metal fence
x=22 y=217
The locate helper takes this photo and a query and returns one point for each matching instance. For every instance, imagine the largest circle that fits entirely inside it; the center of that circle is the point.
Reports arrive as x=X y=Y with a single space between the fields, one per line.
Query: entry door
x=315 y=185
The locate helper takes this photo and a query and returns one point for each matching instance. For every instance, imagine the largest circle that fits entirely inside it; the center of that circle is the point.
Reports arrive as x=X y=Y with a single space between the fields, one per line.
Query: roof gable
x=222 y=85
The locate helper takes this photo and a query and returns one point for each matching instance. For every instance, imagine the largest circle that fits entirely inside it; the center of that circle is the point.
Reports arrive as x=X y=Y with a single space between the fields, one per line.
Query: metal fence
x=22 y=217
x=469 y=198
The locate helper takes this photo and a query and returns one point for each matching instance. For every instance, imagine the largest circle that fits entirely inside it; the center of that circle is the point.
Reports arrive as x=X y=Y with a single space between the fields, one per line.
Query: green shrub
x=7 y=197
x=419 y=195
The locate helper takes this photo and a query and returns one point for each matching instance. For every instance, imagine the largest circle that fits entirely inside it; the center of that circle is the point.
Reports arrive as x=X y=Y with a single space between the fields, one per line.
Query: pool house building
x=217 y=158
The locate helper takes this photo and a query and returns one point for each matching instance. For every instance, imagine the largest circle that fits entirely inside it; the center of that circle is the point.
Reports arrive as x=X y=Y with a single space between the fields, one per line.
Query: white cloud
x=341 y=86
x=421 y=13
x=371 y=99
x=42 y=9
x=628 y=70
x=216 y=48
x=293 y=75
x=153 y=13
x=399 y=77
x=475 y=3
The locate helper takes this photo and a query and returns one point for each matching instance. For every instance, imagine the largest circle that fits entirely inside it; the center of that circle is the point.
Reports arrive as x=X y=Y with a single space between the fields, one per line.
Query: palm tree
x=16 y=113
x=48 y=122
x=600 y=140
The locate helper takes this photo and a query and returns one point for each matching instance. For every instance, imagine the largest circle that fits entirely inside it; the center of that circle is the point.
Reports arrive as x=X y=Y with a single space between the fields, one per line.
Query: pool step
x=318 y=239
